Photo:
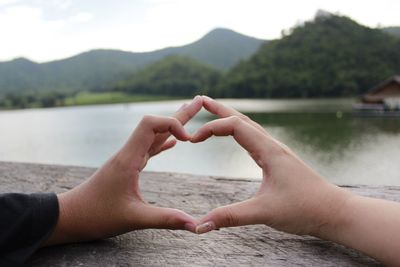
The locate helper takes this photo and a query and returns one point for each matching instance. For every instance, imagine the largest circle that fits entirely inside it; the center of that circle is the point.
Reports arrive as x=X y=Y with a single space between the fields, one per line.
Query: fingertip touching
x=208 y=104
x=199 y=136
x=205 y=227
x=205 y=132
x=188 y=111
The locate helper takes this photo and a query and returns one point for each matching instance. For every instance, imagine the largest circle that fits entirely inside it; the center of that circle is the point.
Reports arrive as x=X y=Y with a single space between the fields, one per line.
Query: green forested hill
x=102 y=69
x=329 y=56
x=220 y=48
x=392 y=30
x=173 y=76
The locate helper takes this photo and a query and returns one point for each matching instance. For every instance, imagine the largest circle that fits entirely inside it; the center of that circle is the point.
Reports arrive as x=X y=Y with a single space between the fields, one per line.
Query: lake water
x=345 y=149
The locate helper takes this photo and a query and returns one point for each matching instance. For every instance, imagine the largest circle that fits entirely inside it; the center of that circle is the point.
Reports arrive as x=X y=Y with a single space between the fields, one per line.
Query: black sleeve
x=26 y=220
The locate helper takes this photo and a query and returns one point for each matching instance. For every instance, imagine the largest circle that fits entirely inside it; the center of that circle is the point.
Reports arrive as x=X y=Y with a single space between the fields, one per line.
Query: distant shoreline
x=87 y=99
x=93 y=98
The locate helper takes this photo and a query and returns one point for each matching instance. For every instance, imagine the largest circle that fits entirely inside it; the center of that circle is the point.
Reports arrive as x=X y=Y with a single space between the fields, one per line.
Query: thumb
x=237 y=214
x=167 y=218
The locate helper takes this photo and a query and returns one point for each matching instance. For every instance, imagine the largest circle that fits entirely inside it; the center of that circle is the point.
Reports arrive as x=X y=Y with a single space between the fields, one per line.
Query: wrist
x=61 y=233
x=57 y=237
x=72 y=218
x=334 y=215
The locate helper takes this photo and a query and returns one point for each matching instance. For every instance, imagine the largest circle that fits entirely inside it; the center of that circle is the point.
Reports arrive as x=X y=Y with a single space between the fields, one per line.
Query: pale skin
x=109 y=203
x=291 y=198
x=295 y=199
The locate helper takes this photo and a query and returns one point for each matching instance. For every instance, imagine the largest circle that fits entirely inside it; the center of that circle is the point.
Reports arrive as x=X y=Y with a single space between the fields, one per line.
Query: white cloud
x=62 y=4
x=25 y=32
x=49 y=29
x=81 y=17
x=7 y=2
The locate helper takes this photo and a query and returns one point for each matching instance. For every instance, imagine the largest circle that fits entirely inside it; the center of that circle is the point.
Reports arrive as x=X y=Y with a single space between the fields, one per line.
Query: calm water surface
x=344 y=149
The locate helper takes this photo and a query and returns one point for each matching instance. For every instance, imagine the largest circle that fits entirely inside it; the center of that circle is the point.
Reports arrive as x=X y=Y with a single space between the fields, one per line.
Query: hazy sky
x=51 y=29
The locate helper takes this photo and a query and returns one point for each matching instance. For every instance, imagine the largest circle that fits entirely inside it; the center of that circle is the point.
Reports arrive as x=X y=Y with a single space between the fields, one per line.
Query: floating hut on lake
x=382 y=100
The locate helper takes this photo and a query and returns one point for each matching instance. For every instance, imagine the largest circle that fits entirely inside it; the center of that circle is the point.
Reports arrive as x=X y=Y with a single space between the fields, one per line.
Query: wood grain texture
x=255 y=245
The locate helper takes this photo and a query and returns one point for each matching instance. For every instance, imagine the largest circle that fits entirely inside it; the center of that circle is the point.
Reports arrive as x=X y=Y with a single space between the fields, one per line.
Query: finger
x=184 y=114
x=237 y=214
x=218 y=108
x=167 y=218
x=142 y=138
x=223 y=111
x=167 y=145
x=256 y=143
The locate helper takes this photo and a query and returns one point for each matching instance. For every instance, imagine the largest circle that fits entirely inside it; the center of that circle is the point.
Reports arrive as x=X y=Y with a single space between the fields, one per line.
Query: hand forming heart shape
x=110 y=203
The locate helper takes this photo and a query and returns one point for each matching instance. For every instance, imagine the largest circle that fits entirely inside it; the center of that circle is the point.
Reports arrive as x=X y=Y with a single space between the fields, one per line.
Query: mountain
x=329 y=56
x=220 y=48
x=392 y=30
x=19 y=73
x=172 y=76
x=101 y=69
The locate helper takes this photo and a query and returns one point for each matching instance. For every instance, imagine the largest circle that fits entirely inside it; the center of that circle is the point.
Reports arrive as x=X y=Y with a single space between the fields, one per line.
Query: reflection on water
x=343 y=148
x=328 y=131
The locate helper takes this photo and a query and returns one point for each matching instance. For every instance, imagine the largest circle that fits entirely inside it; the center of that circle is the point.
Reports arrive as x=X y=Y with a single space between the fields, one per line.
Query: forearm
x=26 y=222
x=369 y=225
x=84 y=217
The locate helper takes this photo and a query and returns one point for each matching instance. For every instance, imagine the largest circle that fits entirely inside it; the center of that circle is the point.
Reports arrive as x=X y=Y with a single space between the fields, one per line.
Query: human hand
x=109 y=202
x=291 y=198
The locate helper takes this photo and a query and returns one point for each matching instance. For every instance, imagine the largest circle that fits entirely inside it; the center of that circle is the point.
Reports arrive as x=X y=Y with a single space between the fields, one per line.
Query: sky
x=44 y=30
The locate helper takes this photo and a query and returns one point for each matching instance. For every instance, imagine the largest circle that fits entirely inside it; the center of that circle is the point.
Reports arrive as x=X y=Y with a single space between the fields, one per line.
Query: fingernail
x=193 y=138
x=195 y=99
x=190 y=227
x=205 y=227
x=184 y=106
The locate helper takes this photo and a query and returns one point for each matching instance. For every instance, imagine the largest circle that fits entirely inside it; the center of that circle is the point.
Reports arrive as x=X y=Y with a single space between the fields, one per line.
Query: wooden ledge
x=242 y=246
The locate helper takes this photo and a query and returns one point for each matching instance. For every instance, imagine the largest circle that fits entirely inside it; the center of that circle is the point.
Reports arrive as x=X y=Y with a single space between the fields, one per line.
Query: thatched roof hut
x=389 y=89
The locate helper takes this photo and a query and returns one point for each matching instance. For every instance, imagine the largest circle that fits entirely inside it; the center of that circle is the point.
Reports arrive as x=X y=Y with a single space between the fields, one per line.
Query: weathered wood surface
x=242 y=246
